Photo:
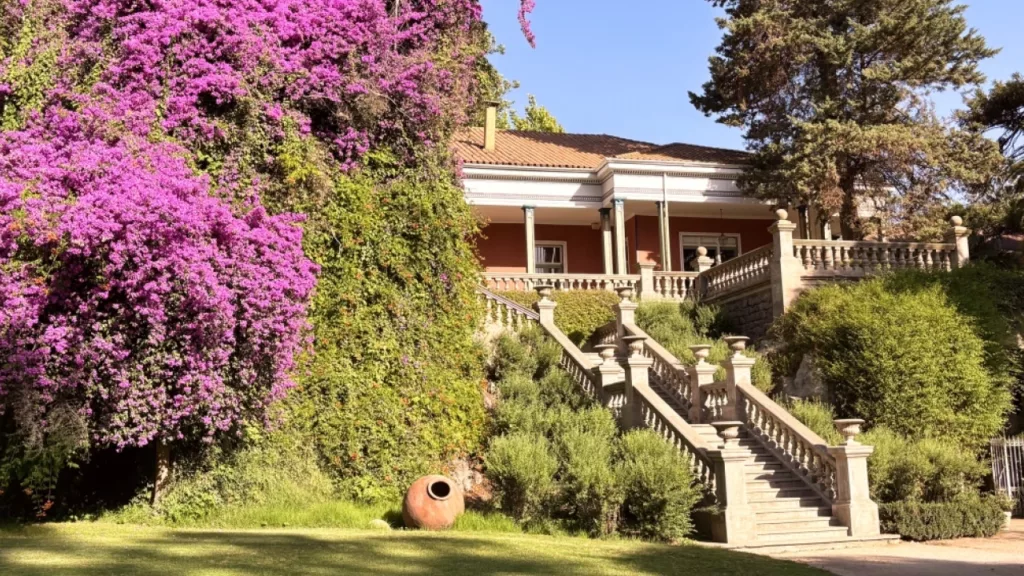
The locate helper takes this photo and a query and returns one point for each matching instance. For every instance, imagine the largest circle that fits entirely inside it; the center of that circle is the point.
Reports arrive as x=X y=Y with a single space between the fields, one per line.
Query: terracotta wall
x=504 y=247
x=642 y=234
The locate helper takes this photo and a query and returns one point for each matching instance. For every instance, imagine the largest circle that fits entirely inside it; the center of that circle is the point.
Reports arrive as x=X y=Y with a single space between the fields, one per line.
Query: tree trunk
x=849 y=221
x=163 y=471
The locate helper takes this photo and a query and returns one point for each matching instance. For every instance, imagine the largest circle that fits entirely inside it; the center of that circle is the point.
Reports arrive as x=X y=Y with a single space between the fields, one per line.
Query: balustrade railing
x=797 y=446
x=668 y=373
x=741 y=272
x=504 y=313
x=675 y=285
x=521 y=281
x=857 y=258
x=664 y=421
x=715 y=399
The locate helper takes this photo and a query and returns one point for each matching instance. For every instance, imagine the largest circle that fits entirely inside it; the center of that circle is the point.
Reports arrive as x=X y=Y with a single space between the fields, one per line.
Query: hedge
x=579 y=313
x=971 y=517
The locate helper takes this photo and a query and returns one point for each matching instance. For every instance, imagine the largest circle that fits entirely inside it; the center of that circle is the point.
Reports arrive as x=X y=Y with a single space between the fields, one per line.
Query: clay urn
x=432 y=503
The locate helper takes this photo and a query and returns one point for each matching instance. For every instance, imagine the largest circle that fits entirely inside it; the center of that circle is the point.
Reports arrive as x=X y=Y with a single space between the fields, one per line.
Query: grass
x=91 y=549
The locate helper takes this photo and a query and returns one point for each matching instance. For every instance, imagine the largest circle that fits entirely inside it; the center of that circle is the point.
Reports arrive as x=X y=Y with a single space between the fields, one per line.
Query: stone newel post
x=853 y=506
x=700 y=374
x=737 y=371
x=625 y=313
x=545 y=307
x=959 y=235
x=647 y=290
x=786 y=268
x=608 y=372
x=736 y=522
x=637 y=376
x=702 y=263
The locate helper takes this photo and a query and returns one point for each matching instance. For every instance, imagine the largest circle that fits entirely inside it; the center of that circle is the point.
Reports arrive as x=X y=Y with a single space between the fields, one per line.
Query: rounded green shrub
x=579 y=312
x=904 y=359
x=522 y=467
x=970 y=517
x=658 y=486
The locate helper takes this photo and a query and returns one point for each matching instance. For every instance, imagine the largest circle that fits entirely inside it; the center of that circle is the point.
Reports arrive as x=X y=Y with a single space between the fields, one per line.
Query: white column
x=664 y=236
x=607 y=250
x=620 y=236
x=531 y=254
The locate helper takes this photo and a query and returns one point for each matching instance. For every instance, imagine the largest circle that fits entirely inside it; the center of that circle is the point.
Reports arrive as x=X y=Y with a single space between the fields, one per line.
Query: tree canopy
x=833 y=100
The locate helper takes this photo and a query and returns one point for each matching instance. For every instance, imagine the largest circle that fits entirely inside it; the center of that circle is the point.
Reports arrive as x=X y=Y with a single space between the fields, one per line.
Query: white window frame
x=682 y=244
x=565 y=253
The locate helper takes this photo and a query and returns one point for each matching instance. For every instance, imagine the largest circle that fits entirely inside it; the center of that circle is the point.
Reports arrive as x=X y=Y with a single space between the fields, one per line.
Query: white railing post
x=958 y=235
x=647 y=289
x=637 y=375
x=852 y=505
x=737 y=372
x=786 y=268
x=701 y=373
x=545 y=306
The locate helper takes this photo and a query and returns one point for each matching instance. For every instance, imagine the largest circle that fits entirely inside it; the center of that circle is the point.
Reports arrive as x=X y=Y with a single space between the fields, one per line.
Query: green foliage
x=590 y=490
x=973 y=517
x=906 y=359
x=522 y=468
x=833 y=99
x=925 y=470
x=537 y=118
x=579 y=313
x=816 y=415
x=677 y=326
x=659 y=488
x=394 y=389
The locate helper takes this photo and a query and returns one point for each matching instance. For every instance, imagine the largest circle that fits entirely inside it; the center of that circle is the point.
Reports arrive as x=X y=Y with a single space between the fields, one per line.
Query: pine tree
x=833 y=98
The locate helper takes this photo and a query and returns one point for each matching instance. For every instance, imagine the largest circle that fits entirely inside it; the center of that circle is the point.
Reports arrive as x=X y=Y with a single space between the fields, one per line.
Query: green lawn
x=98 y=548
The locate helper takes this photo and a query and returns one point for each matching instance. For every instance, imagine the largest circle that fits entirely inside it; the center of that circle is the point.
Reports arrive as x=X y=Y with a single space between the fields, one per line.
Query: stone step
x=758 y=494
x=803 y=534
x=783 y=503
x=753 y=475
x=783 y=489
x=794 y=513
x=774 y=525
x=766 y=466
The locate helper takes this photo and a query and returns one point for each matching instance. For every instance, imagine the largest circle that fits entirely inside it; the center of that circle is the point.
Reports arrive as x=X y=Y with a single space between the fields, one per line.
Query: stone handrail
x=858 y=258
x=668 y=371
x=575 y=362
x=797 y=445
x=505 y=313
x=741 y=272
x=675 y=285
x=521 y=281
x=663 y=420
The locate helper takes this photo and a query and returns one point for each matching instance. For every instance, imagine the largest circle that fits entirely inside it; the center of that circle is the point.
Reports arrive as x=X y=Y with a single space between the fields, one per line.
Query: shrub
x=659 y=490
x=903 y=359
x=522 y=468
x=512 y=356
x=818 y=416
x=590 y=490
x=962 y=518
x=579 y=313
x=924 y=470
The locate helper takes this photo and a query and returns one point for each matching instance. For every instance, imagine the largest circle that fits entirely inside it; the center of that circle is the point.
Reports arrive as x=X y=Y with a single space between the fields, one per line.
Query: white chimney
x=491 y=126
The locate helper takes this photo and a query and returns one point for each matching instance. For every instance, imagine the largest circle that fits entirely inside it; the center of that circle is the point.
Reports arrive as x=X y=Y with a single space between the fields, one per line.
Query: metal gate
x=1008 y=469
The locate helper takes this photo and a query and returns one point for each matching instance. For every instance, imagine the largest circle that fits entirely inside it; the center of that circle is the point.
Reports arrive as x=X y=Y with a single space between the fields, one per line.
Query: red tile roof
x=588 y=151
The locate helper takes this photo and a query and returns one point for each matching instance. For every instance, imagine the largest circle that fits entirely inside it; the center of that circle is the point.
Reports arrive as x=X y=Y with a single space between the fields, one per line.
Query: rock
x=806 y=383
x=378 y=524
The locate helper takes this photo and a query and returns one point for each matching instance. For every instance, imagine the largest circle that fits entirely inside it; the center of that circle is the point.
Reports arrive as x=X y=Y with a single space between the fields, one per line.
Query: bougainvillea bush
x=136 y=306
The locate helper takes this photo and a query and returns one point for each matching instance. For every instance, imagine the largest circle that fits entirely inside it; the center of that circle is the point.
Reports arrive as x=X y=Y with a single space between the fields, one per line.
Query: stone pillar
x=737 y=371
x=621 y=265
x=852 y=505
x=647 y=288
x=700 y=373
x=702 y=263
x=531 y=253
x=607 y=246
x=735 y=522
x=608 y=372
x=545 y=306
x=637 y=376
x=664 y=236
x=786 y=269
x=625 y=313
x=959 y=235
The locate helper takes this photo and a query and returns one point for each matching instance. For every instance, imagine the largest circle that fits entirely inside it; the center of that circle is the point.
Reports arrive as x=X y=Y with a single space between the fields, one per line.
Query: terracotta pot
x=432 y=503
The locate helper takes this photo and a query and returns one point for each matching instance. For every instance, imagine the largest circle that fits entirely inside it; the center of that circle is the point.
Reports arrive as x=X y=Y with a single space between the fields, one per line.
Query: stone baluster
x=852 y=505
x=737 y=370
x=701 y=373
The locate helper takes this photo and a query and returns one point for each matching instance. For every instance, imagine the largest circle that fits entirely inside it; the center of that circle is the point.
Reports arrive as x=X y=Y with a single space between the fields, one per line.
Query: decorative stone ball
x=702 y=251
x=781 y=214
x=956 y=221
x=432 y=503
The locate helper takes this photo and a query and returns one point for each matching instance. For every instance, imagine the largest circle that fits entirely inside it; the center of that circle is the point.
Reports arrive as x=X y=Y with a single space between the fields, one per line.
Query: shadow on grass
x=124 y=550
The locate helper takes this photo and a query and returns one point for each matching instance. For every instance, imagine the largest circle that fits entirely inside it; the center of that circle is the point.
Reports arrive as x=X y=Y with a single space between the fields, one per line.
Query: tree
x=537 y=119
x=833 y=100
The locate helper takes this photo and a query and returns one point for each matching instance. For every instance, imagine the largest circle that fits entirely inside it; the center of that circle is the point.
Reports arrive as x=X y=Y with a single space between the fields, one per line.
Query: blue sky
x=624 y=67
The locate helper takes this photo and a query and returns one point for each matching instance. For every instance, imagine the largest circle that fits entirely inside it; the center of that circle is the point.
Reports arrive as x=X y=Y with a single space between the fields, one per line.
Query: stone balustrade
x=502 y=314
x=673 y=285
x=667 y=423
x=669 y=374
x=842 y=258
x=523 y=282
x=737 y=274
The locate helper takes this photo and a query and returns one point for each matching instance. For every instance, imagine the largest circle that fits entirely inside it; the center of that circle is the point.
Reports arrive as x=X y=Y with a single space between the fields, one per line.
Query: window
x=550 y=257
x=721 y=247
